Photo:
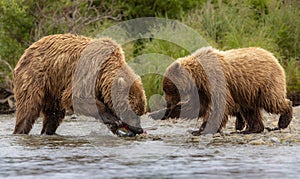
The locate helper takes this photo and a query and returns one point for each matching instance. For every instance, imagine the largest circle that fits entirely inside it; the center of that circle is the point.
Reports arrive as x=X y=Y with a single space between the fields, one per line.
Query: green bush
x=157 y=8
x=292 y=68
x=231 y=25
x=283 y=23
x=15 y=29
x=23 y=22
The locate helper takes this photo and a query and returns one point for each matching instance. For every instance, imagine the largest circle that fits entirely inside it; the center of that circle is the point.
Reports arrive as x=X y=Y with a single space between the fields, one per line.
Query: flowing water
x=85 y=148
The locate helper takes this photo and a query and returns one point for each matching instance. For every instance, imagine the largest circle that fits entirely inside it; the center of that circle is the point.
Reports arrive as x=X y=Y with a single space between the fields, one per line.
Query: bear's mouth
x=136 y=130
x=115 y=123
x=130 y=125
x=128 y=131
x=122 y=129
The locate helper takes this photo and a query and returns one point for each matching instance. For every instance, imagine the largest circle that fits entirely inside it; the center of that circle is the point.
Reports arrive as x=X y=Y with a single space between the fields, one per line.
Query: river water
x=85 y=148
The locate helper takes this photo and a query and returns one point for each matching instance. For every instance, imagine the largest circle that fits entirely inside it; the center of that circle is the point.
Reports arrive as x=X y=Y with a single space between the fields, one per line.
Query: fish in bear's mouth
x=122 y=129
x=128 y=131
x=115 y=124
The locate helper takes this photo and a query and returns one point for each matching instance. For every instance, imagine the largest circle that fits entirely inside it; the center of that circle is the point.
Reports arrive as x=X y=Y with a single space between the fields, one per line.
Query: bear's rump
x=255 y=79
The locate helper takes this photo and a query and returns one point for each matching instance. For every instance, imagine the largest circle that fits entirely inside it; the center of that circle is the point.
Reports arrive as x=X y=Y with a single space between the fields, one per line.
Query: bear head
x=128 y=98
x=178 y=84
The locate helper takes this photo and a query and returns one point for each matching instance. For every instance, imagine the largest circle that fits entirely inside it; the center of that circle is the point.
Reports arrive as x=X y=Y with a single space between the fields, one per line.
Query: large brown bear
x=69 y=72
x=214 y=84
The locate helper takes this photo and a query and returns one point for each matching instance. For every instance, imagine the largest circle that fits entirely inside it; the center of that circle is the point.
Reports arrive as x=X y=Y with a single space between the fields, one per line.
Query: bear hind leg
x=25 y=120
x=285 y=110
x=27 y=110
x=286 y=116
x=53 y=116
x=240 y=122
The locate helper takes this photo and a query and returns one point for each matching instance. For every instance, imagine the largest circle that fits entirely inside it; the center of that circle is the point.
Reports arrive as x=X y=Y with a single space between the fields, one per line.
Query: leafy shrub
x=153 y=8
x=15 y=29
x=24 y=21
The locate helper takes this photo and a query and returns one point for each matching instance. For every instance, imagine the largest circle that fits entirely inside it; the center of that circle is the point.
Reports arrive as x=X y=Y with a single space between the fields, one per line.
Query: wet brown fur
x=43 y=80
x=254 y=81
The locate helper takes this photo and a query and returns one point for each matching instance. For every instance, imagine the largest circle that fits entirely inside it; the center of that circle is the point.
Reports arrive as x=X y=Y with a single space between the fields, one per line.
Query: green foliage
x=15 y=29
x=231 y=25
x=283 y=23
x=24 y=21
x=292 y=68
x=151 y=8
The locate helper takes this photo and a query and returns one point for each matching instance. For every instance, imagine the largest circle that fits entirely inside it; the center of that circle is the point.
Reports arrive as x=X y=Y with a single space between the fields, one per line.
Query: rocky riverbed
x=229 y=136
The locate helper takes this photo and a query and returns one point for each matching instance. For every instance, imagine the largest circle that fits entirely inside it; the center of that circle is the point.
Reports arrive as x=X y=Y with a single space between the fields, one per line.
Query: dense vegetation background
x=225 y=24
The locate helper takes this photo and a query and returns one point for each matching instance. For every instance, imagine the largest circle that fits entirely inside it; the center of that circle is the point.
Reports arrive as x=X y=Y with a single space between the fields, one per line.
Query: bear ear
x=176 y=65
x=121 y=82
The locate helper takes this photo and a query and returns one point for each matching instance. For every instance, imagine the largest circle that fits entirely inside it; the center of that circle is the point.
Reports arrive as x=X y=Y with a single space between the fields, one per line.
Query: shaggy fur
x=239 y=82
x=48 y=74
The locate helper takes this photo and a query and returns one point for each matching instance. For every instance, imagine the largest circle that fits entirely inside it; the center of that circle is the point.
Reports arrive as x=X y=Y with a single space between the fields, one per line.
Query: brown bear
x=69 y=72
x=214 y=84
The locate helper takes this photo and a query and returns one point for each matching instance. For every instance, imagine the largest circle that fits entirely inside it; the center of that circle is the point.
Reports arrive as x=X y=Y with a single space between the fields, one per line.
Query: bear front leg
x=213 y=126
x=53 y=116
x=107 y=117
x=199 y=132
x=203 y=125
